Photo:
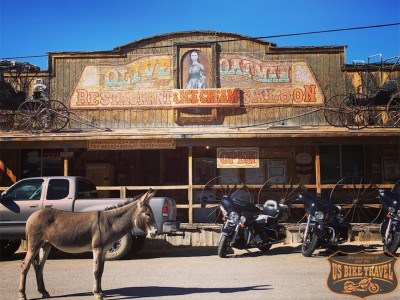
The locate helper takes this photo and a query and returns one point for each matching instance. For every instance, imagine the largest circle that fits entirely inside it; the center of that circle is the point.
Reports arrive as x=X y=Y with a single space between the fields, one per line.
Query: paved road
x=187 y=274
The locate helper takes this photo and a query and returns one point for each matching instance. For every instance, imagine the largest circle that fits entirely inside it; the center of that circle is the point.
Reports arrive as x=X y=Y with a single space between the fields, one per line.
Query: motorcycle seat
x=271 y=208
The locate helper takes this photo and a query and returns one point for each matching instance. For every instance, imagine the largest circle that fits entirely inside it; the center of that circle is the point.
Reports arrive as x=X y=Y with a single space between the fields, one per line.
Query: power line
x=240 y=39
x=328 y=31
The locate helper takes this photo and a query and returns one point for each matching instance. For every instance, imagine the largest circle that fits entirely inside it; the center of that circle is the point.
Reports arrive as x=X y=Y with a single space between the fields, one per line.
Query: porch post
x=190 y=189
x=317 y=169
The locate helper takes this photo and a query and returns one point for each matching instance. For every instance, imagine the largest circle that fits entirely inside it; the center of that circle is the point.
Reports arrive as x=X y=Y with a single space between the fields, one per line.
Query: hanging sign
x=245 y=157
x=131 y=144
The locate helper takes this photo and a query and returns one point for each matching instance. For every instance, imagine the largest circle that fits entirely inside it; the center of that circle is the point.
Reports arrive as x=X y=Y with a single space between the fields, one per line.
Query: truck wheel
x=9 y=247
x=137 y=243
x=120 y=248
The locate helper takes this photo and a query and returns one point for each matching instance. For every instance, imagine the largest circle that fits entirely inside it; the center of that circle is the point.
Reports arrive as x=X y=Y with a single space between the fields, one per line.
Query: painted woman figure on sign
x=196 y=76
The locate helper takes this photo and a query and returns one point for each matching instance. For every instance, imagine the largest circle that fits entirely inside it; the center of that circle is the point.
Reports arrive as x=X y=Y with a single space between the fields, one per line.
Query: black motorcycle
x=247 y=225
x=325 y=227
x=390 y=227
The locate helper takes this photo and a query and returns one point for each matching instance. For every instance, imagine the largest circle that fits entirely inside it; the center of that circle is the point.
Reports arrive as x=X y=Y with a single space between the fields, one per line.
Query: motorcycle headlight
x=242 y=219
x=224 y=212
x=319 y=215
x=234 y=216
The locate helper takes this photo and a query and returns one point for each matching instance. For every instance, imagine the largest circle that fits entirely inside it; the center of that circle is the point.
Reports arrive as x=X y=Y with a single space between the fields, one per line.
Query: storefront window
x=31 y=164
x=352 y=161
x=338 y=162
x=330 y=164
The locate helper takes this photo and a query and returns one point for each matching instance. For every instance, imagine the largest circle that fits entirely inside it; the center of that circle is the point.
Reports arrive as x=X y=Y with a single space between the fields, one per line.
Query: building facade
x=181 y=110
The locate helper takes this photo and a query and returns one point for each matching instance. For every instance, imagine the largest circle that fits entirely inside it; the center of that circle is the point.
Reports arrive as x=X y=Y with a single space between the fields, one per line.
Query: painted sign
x=155 y=99
x=147 y=82
x=270 y=83
x=131 y=144
x=245 y=157
x=278 y=152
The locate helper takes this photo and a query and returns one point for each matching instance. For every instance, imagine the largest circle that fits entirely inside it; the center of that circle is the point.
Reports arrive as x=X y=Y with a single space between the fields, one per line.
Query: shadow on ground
x=160 y=291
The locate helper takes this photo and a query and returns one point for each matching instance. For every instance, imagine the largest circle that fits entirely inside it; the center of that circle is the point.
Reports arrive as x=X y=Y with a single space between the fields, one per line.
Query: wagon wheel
x=396 y=188
x=59 y=115
x=331 y=112
x=7 y=120
x=212 y=193
x=352 y=113
x=284 y=192
x=393 y=111
x=358 y=198
x=32 y=115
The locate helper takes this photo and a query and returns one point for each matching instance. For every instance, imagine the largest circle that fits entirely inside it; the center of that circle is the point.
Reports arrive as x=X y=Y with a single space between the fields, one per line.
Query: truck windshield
x=30 y=189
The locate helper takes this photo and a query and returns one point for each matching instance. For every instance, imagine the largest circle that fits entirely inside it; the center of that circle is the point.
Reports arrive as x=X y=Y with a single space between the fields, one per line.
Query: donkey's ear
x=147 y=196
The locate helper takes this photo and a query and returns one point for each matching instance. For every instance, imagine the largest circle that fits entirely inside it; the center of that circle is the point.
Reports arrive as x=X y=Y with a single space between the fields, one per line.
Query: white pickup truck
x=71 y=193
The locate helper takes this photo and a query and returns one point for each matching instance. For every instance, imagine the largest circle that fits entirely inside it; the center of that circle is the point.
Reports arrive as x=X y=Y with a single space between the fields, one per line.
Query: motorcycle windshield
x=312 y=203
x=243 y=196
x=389 y=199
x=241 y=202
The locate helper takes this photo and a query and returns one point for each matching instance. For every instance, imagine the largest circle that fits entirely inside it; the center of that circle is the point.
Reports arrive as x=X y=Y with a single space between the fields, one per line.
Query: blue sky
x=30 y=28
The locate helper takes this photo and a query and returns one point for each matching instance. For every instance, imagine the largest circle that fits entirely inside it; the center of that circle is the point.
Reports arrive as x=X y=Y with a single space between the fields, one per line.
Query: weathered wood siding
x=326 y=65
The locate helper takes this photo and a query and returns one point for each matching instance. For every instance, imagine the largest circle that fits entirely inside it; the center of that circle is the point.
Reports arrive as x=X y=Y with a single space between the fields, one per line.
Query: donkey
x=81 y=232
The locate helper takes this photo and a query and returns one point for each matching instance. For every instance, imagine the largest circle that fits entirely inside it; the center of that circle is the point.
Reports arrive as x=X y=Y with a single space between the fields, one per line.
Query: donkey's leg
x=26 y=264
x=38 y=264
x=98 y=268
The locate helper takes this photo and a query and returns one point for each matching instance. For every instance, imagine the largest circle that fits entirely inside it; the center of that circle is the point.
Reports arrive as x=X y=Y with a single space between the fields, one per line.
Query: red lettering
x=285 y=96
x=82 y=98
x=93 y=98
x=233 y=96
x=310 y=93
x=271 y=97
x=298 y=95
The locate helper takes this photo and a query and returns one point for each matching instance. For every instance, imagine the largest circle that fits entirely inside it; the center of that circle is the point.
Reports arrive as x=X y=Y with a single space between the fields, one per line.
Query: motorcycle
x=247 y=225
x=325 y=227
x=390 y=227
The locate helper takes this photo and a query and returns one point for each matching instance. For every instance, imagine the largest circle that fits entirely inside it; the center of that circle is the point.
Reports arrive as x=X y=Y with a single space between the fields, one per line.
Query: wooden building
x=173 y=111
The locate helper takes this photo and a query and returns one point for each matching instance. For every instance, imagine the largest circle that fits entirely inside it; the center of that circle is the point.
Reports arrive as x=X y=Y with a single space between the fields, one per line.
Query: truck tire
x=9 y=247
x=120 y=248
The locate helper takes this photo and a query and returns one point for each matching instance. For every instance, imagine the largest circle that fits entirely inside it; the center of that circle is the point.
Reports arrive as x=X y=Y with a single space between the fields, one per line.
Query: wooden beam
x=318 y=169
x=190 y=190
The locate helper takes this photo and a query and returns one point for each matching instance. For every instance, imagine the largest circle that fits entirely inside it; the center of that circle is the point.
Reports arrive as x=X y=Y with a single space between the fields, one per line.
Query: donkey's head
x=144 y=218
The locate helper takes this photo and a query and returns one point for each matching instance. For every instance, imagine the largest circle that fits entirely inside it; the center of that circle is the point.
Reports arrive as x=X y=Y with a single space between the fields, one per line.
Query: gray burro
x=81 y=232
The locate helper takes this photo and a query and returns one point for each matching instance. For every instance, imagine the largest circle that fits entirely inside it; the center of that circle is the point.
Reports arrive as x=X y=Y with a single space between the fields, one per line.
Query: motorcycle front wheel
x=223 y=246
x=309 y=244
x=392 y=243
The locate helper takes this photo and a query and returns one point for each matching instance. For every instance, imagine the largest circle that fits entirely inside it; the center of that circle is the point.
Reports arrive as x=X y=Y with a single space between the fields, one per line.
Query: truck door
x=20 y=201
x=59 y=194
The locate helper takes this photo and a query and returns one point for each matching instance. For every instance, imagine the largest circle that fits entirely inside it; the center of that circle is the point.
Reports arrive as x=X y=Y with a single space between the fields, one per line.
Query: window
x=330 y=164
x=339 y=162
x=352 y=161
x=58 y=189
x=86 y=189
x=30 y=189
